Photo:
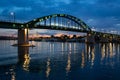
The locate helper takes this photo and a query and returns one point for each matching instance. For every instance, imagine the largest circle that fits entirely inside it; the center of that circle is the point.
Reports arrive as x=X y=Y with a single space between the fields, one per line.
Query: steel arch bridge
x=62 y=22
x=55 y=22
x=59 y=22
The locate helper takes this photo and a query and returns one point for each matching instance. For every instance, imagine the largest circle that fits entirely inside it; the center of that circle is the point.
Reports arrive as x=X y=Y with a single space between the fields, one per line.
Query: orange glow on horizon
x=56 y=35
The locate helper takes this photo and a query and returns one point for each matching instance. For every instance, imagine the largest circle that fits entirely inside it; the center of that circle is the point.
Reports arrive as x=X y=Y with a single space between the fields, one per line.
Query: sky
x=101 y=15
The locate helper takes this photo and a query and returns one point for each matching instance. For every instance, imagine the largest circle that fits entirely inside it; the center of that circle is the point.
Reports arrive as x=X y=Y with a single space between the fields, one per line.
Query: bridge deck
x=10 y=25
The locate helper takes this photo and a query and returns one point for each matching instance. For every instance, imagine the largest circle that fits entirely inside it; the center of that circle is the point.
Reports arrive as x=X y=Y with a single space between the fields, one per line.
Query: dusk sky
x=98 y=14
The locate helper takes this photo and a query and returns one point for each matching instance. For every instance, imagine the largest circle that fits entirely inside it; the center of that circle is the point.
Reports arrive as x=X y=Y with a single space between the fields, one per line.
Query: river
x=59 y=61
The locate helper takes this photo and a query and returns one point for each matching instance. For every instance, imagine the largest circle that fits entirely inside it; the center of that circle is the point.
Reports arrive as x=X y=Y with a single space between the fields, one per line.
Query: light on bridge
x=55 y=15
x=26 y=31
x=22 y=26
x=27 y=25
x=61 y=14
x=14 y=25
x=39 y=19
x=34 y=19
x=46 y=18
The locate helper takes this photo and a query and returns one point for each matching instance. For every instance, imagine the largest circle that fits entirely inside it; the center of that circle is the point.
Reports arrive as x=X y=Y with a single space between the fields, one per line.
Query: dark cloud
x=108 y=2
x=100 y=11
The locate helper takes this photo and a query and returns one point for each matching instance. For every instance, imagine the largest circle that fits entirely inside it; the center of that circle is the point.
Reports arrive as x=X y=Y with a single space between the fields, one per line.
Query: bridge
x=62 y=22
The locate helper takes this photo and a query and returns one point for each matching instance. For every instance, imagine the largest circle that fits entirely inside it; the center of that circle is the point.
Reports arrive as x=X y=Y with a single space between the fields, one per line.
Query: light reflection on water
x=60 y=61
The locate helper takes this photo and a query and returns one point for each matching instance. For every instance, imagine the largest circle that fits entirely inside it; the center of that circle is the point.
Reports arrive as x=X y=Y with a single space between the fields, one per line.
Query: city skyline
x=101 y=15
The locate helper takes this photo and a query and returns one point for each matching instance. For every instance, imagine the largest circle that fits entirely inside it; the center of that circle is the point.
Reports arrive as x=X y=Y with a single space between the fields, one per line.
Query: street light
x=13 y=14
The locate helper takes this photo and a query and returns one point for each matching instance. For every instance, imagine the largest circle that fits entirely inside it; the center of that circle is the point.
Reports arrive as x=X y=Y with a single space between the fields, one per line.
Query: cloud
x=97 y=8
x=1 y=10
x=62 y=1
x=91 y=2
x=90 y=20
x=21 y=8
x=96 y=13
x=118 y=24
x=7 y=32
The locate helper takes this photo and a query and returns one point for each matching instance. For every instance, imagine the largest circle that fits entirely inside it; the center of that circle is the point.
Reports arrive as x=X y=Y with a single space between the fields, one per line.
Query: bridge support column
x=23 y=37
x=23 y=40
x=90 y=38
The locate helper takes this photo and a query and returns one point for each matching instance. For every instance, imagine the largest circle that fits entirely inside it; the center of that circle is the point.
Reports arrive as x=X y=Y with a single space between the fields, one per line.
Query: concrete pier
x=23 y=39
x=90 y=38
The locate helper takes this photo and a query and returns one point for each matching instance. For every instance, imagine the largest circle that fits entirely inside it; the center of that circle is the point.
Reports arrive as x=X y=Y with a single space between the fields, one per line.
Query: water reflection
x=88 y=57
x=111 y=49
x=48 y=68
x=90 y=51
x=12 y=72
x=7 y=72
x=103 y=50
x=23 y=57
x=68 y=64
x=64 y=61
x=83 y=60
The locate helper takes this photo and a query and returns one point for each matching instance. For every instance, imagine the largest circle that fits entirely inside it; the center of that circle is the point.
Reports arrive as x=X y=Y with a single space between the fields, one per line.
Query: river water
x=60 y=61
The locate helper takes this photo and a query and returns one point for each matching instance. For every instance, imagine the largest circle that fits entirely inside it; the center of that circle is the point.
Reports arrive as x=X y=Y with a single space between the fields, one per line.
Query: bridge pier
x=23 y=39
x=90 y=38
